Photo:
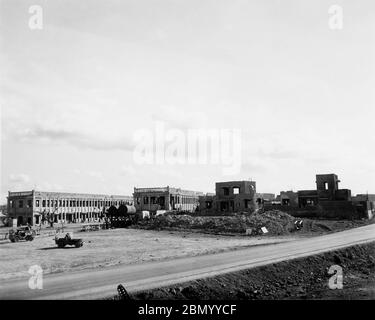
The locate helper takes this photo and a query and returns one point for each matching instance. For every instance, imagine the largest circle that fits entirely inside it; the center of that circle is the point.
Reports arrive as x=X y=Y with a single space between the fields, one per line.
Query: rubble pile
x=276 y=222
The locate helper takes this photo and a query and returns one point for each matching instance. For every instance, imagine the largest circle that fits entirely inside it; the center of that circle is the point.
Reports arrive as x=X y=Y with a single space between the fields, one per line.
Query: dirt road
x=101 y=283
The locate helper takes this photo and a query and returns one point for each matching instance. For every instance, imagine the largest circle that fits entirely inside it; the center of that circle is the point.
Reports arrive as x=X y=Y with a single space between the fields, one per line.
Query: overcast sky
x=73 y=93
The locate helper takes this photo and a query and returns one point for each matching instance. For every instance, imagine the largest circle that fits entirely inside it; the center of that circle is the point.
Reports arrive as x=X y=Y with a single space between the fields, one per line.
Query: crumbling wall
x=307 y=212
x=327 y=209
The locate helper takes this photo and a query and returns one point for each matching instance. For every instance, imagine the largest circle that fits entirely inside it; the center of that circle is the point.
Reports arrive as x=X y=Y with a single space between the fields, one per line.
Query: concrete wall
x=289 y=196
x=245 y=188
x=327 y=209
x=331 y=179
x=307 y=212
x=243 y=200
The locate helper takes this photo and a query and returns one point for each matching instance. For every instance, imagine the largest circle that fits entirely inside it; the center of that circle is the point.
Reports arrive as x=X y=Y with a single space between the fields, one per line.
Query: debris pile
x=275 y=222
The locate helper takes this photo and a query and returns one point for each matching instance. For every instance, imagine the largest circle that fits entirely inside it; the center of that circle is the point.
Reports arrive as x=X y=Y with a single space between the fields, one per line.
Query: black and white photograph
x=213 y=153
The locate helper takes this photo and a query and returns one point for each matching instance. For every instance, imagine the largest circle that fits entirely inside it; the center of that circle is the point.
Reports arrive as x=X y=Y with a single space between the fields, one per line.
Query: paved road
x=99 y=283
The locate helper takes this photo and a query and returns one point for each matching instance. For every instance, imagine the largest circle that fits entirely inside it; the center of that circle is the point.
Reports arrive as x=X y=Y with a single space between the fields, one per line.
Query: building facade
x=165 y=198
x=230 y=196
x=327 y=189
x=326 y=201
x=31 y=206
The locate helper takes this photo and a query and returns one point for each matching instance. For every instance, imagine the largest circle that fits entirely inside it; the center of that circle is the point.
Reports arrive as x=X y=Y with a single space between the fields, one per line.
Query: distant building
x=327 y=189
x=3 y=209
x=165 y=198
x=327 y=201
x=288 y=198
x=265 y=197
x=367 y=200
x=230 y=196
x=30 y=206
x=364 y=197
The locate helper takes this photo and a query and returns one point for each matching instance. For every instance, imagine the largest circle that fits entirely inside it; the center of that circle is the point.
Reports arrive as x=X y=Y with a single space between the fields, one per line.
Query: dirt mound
x=276 y=222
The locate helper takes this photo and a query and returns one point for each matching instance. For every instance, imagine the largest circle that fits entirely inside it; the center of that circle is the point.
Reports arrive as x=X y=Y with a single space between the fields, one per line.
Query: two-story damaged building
x=327 y=189
x=165 y=198
x=230 y=196
x=331 y=201
x=327 y=200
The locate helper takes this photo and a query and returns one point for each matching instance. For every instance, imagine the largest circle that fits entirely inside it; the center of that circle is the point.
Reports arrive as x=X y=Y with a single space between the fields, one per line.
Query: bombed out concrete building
x=327 y=200
x=165 y=198
x=327 y=189
x=331 y=201
x=230 y=196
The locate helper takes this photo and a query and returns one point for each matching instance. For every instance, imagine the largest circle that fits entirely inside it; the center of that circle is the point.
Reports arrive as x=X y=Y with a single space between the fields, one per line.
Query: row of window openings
x=156 y=200
x=66 y=203
x=236 y=190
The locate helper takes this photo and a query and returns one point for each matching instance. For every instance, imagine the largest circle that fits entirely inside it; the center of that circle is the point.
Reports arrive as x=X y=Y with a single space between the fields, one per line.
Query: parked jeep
x=22 y=233
x=67 y=240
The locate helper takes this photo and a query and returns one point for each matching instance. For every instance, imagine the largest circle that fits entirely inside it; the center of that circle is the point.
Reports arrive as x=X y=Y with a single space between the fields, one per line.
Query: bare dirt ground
x=119 y=246
x=127 y=246
x=305 y=278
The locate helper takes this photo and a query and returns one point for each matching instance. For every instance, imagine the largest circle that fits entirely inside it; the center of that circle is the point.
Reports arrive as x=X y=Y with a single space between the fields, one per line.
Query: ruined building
x=332 y=202
x=327 y=189
x=327 y=200
x=230 y=196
